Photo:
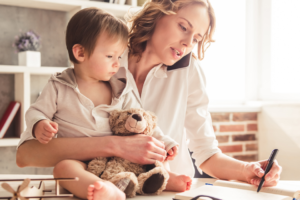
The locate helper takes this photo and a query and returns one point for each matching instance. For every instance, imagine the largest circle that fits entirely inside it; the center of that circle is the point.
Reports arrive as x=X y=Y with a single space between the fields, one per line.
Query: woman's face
x=176 y=35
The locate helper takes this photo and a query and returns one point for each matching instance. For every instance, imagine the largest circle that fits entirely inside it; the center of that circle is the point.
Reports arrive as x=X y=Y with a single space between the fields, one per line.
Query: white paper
x=245 y=186
x=226 y=193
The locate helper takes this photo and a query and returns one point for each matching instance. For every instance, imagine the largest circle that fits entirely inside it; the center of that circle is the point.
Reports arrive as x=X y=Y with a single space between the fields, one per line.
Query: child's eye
x=120 y=57
x=195 y=40
x=182 y=27
x=109 y=56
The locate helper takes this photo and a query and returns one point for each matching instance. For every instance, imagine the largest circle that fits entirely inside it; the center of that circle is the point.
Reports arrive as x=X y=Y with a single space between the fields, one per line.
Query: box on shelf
x=29 y=58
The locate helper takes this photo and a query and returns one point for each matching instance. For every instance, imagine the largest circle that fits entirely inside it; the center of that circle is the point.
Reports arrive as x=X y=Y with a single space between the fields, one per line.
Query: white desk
x=164 y=196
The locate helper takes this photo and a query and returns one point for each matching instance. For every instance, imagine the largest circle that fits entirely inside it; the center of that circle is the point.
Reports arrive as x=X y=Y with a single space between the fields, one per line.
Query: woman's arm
x=138 y=149
x=223 y=167
x=198 y=124
x=227 y=168
x=204 y=145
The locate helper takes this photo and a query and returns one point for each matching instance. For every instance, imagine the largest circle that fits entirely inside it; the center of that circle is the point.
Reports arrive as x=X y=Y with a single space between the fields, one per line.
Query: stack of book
x=8 y=117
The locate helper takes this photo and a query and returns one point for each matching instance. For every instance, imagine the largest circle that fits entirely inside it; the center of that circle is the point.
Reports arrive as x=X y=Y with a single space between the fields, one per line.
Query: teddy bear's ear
x=151 y=120
x=153 y=116
x=114 y=115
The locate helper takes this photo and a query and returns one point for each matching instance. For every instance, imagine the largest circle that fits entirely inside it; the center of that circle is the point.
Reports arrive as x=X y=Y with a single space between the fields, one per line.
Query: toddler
x=77 y=102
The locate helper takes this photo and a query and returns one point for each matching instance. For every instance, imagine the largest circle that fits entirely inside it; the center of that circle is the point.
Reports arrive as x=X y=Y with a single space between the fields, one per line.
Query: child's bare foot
x=178 y=183
x=104 y=190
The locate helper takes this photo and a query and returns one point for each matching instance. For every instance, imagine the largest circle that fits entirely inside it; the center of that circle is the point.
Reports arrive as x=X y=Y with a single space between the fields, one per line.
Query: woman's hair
x=142 y=24
x=88 y=24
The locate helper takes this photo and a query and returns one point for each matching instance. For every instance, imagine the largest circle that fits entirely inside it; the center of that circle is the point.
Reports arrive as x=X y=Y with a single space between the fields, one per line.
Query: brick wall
x=237 y=134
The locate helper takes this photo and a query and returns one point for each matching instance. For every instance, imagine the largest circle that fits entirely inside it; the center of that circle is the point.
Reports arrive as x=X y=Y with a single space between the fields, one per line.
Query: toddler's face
x=104 y=61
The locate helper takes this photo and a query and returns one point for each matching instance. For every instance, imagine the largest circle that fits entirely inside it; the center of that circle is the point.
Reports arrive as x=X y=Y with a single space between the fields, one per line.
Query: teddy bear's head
x=132 y=121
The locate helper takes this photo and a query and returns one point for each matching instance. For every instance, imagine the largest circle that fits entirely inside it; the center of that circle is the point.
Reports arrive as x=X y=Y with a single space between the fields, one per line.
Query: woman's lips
x=174 y=54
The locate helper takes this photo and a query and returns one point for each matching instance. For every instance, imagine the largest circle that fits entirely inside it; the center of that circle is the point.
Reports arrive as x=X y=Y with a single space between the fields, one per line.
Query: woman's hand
x=141 y=149
x=254 y=171
x=172 y=153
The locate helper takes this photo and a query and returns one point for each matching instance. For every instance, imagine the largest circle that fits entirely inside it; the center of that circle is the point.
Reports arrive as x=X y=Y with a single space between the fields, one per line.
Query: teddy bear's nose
x=137 y=117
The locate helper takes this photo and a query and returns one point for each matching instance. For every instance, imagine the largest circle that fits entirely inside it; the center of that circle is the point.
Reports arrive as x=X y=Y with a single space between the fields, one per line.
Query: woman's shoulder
x=195 y=63
x=196 y=70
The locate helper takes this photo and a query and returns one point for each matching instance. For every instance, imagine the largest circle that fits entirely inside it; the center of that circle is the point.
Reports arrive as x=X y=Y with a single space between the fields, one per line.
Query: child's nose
x=116 y=64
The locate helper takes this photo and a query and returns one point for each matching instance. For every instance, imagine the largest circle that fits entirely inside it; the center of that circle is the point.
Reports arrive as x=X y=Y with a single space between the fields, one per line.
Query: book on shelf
x=8 y=117
x=231 y=190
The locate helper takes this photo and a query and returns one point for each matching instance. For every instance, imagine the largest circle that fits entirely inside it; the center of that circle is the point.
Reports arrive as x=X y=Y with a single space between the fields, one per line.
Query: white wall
x=279 y=127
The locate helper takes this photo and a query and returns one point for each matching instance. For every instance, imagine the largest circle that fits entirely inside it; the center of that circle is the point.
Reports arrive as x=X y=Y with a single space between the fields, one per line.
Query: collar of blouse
x=161 y=70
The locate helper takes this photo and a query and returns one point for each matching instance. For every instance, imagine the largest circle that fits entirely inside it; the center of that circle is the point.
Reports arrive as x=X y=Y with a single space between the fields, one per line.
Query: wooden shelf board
x=70 y=5
x=39 y=4
x=12 y=69
x=9 y=142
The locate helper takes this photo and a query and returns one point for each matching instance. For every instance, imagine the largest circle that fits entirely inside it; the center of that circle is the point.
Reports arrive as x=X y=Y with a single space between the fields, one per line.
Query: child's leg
x=177 y=183
x=89 y=185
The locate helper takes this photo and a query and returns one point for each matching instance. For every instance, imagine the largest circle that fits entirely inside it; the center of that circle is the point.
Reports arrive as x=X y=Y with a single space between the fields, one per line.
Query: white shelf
x=9 y=142
x=73 y=5
x=22 y=83
x=12 y=69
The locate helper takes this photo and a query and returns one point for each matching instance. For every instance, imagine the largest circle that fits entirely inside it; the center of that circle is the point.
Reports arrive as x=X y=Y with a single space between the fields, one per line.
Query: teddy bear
x=130 y=177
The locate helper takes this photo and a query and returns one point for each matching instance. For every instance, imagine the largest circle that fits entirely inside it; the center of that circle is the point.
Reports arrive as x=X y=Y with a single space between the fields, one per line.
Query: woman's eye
x=182 y=27
x=120 y=57
x=195 y=40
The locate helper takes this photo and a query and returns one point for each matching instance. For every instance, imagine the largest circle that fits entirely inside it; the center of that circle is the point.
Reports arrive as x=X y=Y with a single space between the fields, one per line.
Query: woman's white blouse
x=177 y=95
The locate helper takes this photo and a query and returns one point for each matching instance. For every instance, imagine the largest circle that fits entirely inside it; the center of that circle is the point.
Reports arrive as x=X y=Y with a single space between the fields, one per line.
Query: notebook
x=229 y=190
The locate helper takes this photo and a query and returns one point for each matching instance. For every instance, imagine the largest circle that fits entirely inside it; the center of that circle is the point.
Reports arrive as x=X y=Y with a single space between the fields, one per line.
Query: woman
x=170 y=83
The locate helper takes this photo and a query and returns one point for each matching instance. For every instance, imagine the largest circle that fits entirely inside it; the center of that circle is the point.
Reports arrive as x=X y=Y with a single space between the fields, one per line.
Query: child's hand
x=172 y=153
x=44 y=130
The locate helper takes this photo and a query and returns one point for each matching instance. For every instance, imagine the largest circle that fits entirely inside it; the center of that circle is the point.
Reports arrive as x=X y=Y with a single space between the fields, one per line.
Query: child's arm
x=38 y=117
x=44 y=130
x=171 y=146
x=172 y=153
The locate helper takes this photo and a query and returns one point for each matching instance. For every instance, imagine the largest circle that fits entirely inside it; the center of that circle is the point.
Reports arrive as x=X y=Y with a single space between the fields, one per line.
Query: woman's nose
x=188 y=41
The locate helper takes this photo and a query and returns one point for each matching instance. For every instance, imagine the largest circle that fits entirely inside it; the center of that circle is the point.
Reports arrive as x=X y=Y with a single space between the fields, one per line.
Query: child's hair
x=143 y=23
x=88 y=24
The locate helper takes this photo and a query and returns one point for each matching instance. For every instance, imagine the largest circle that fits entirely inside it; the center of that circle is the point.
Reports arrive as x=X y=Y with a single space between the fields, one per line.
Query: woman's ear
x=78 y=52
